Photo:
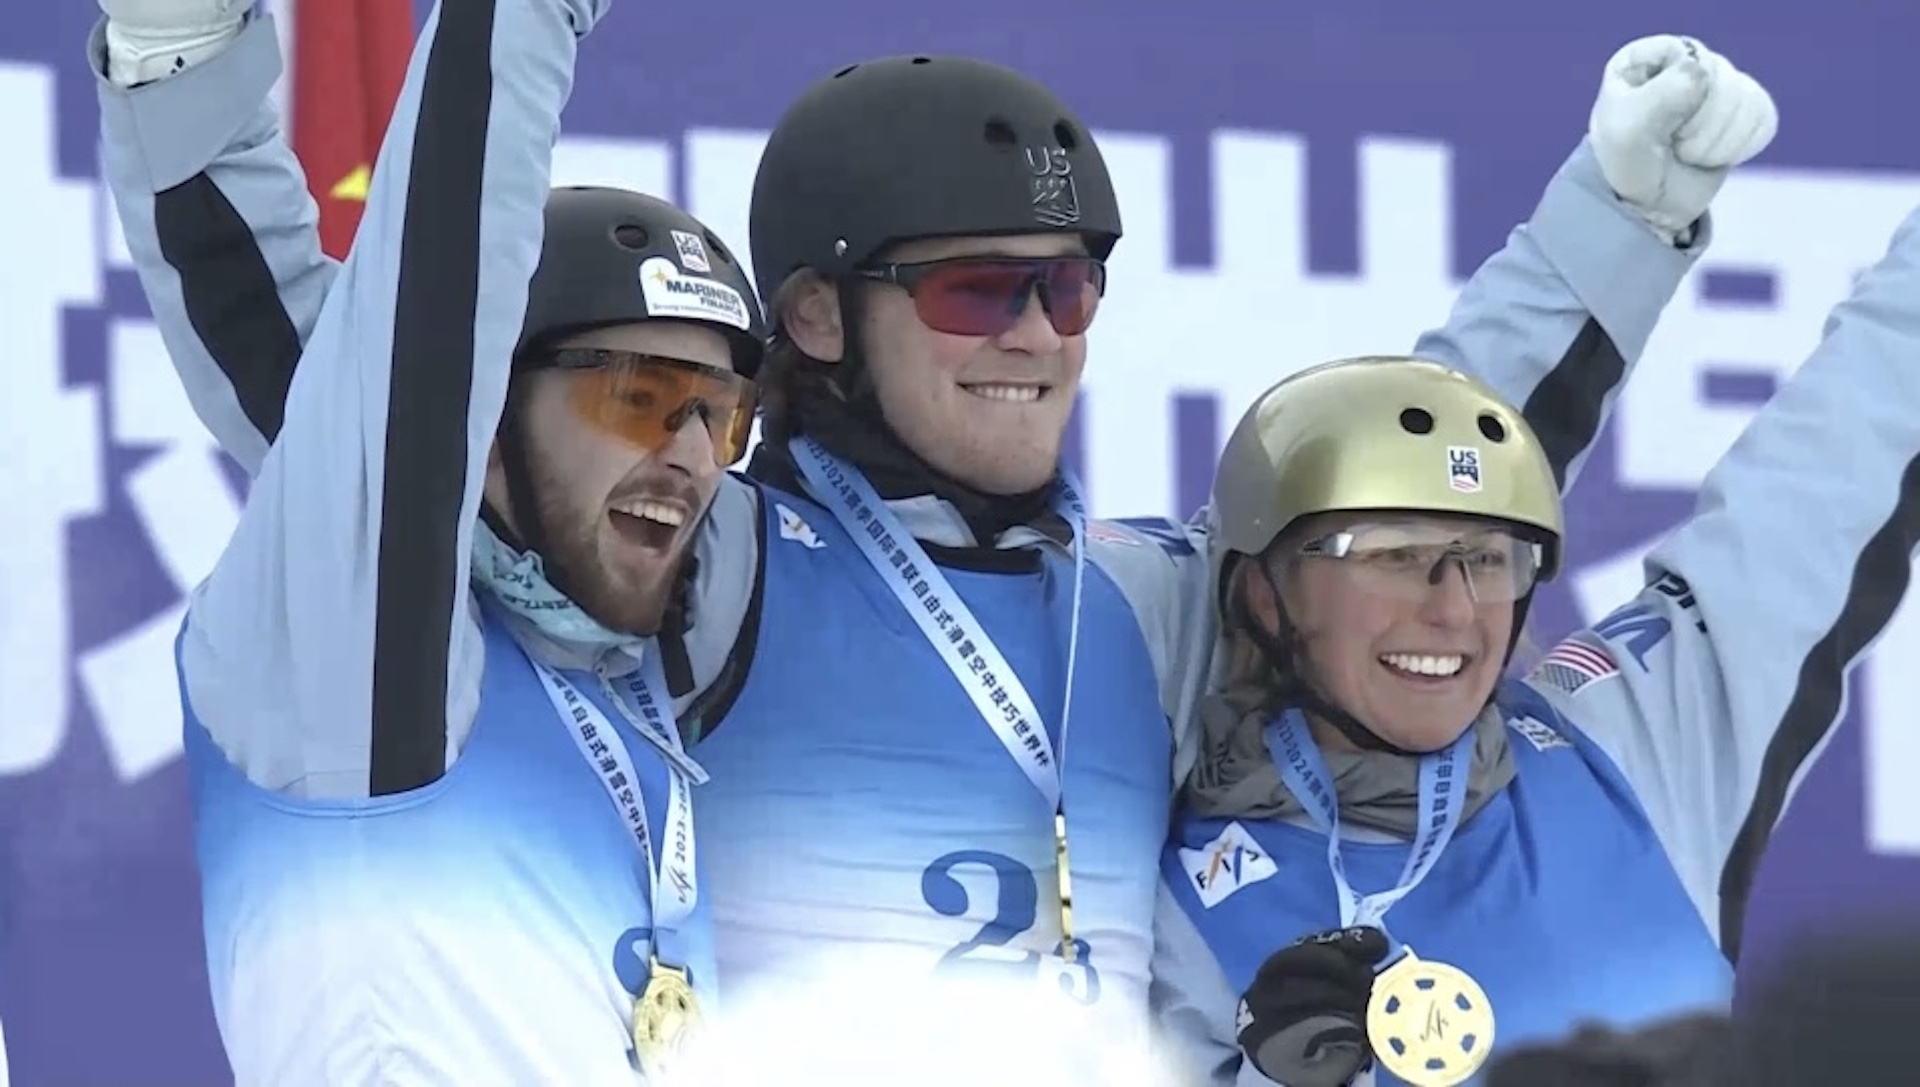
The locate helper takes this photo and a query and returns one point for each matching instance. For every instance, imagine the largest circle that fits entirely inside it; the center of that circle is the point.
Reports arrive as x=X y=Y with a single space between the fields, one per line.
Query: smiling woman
x=1405 y=621
x=1380 y=560
x=1380 y=526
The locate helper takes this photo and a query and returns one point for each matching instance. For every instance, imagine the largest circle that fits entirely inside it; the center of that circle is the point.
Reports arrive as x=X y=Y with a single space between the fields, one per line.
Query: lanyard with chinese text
x=1443 y=784
x=951 y=629
x=670 y=862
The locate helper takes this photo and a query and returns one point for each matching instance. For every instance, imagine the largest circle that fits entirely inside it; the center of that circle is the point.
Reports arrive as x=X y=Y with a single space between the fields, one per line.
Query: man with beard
x=891 y=806
x=443 y=836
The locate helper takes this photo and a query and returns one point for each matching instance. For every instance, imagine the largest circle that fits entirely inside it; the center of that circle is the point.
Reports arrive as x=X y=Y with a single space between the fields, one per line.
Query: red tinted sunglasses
x=985 y=296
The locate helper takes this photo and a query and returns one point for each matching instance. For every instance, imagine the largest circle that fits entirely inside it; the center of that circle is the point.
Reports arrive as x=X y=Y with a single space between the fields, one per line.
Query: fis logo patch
x=1231 y=861
x=797 y=530
x=1463 y=468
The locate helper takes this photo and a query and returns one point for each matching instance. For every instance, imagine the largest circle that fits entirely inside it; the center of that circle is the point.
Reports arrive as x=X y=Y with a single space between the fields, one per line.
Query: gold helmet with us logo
x=1373 y=435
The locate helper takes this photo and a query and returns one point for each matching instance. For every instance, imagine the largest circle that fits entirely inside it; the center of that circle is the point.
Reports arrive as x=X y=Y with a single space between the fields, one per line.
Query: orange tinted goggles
x=646 y=399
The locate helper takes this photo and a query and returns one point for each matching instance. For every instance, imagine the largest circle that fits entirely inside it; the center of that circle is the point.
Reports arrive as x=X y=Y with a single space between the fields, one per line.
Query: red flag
x=350 y=58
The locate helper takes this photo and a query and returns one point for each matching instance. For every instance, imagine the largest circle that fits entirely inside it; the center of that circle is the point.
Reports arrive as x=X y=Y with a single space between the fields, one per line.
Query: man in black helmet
x=444 y=811
x=902 y=283
x=895 y=622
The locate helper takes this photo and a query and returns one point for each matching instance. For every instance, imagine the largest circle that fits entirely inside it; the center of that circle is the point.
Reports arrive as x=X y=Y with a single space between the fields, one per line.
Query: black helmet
x=612 y=257
x=920 y=147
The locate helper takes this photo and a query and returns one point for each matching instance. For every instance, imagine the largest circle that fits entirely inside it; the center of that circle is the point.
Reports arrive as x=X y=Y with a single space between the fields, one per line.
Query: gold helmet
x=1386 y=433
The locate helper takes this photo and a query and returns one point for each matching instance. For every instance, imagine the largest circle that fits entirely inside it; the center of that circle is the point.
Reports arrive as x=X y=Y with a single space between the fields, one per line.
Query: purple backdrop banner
x=1299 y=181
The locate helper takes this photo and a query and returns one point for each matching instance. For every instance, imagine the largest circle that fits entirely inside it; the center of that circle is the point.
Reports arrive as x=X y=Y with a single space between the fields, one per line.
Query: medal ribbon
x=951 y=629
x=674 y=884
x=1443 y=783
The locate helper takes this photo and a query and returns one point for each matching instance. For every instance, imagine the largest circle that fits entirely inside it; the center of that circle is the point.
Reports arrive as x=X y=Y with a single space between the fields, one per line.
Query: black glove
x=1303 y=1022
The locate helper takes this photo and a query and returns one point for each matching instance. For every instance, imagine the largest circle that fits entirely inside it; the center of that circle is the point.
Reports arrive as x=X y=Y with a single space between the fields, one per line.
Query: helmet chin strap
x=1285 y=654
x=851 y=373
x=530 y=536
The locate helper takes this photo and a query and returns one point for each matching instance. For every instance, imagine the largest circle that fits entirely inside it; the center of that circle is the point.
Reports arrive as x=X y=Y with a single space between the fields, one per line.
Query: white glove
x=152 y=39
x=1672 y=118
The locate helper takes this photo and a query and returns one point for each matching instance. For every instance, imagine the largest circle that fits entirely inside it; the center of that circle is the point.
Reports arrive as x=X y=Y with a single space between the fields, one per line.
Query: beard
x=630 y=598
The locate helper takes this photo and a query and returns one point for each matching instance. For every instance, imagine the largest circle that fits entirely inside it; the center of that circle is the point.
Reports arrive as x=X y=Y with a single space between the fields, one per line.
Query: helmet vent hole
x=631 y=235
x=1416 y=421
x=848 y=70
x=923 y=60
x=718 y=250
x=1492 y=428
x=1064 y=135
x=1000 y=134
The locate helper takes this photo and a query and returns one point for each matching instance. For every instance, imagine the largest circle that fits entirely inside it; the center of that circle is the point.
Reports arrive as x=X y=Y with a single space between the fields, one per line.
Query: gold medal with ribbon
x=665 y=1018
x=1429 y=1023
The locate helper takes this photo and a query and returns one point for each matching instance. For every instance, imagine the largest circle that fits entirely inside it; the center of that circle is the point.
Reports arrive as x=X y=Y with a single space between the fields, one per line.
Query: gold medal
x=665 y=1018
x=1429 y=1023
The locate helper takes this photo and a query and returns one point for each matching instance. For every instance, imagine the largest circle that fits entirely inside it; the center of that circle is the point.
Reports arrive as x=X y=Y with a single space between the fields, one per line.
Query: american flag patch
x=1573 y=664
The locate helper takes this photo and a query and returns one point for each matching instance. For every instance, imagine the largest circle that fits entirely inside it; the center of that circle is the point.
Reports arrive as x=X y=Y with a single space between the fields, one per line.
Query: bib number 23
x=1016 y=909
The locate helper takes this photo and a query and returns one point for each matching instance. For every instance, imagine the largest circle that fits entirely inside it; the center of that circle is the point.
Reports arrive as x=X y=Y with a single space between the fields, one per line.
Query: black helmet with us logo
x=922 y=147
x=611 y=257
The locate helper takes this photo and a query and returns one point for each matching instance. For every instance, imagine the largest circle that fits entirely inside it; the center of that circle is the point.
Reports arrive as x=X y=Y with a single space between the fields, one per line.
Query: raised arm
x=220 y=225
x=1557 y=319
x=1718 y=683
x=333 y=643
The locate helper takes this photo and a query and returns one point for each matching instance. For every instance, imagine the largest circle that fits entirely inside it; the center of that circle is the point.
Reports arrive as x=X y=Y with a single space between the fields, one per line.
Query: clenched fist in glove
x=150 y=39
x=1303 y=1022
x=1672 y=118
